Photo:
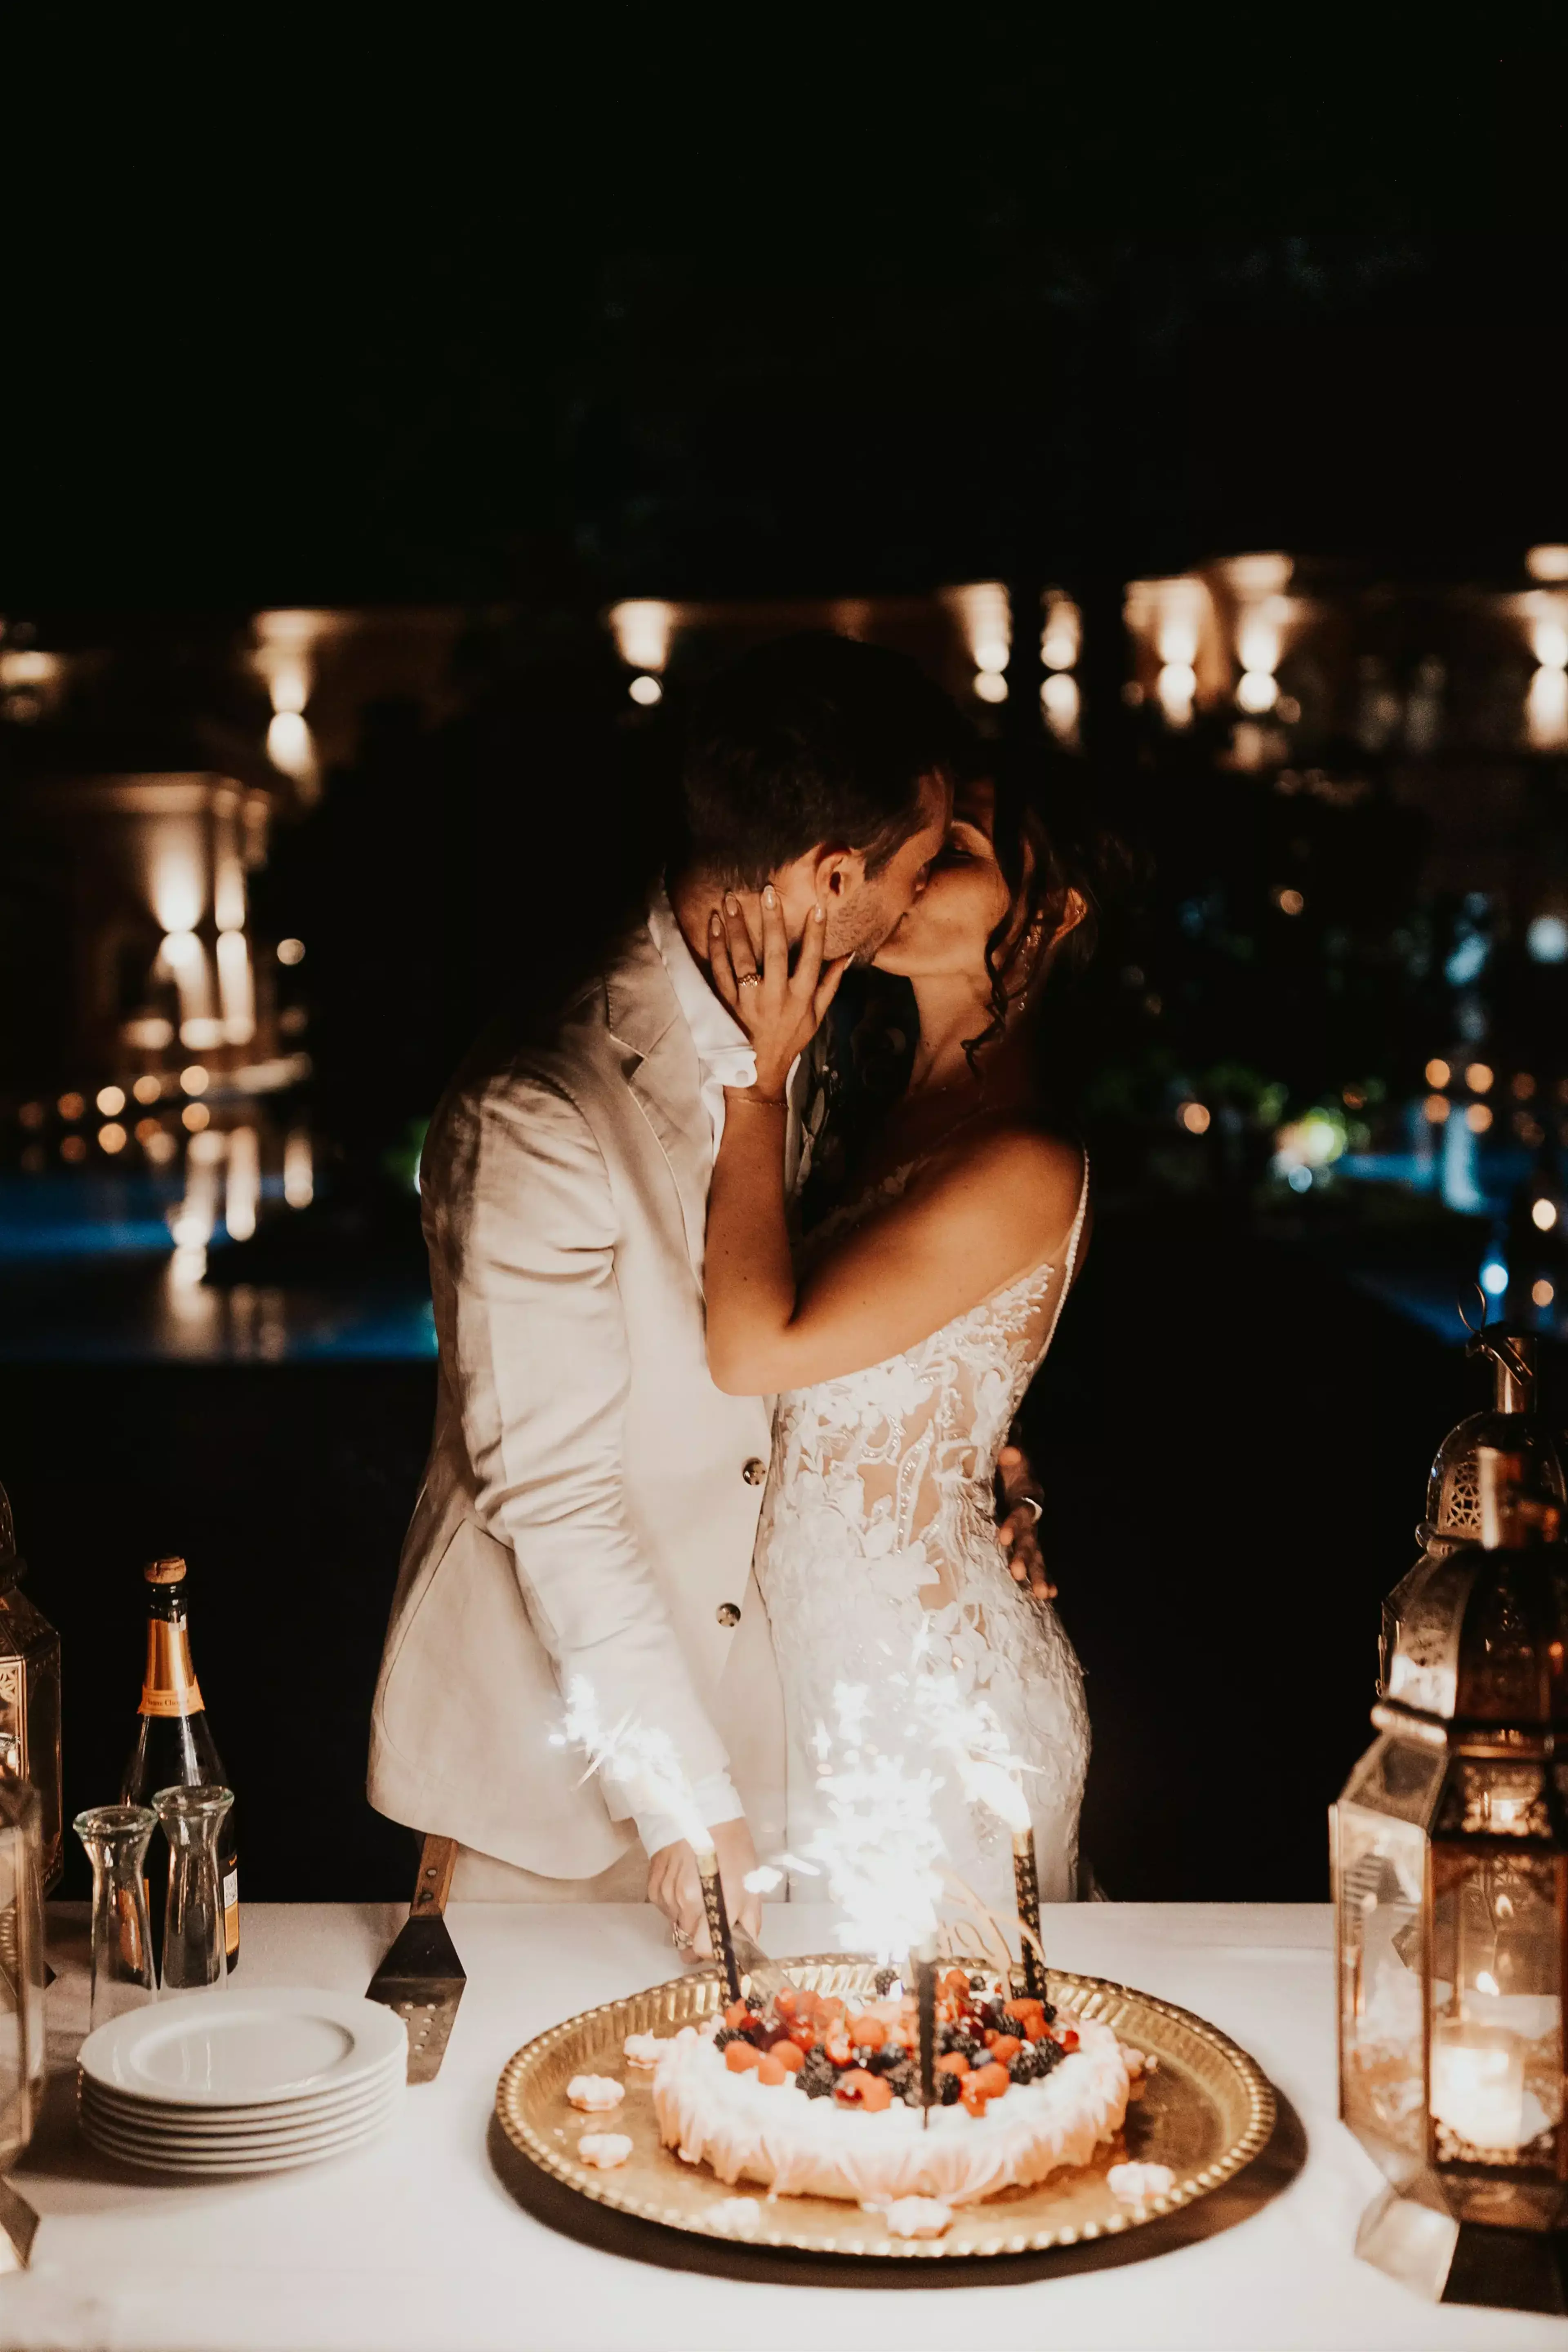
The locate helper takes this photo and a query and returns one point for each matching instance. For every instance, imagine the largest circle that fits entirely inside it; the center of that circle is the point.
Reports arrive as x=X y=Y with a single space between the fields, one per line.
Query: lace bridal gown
x=880 y=1519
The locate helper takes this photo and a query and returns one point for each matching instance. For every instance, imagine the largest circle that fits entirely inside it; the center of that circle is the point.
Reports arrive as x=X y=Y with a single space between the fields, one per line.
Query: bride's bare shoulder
x=1013 y=1173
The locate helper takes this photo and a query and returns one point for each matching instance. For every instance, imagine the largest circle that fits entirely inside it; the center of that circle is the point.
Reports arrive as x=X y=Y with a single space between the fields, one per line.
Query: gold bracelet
x=762 y=1102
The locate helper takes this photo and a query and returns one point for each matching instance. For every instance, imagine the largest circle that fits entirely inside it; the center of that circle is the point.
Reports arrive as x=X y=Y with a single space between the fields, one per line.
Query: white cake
x=747 y=2128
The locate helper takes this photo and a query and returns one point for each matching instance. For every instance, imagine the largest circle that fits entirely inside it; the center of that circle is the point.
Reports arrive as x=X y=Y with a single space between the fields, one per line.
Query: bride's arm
x=961 y=1232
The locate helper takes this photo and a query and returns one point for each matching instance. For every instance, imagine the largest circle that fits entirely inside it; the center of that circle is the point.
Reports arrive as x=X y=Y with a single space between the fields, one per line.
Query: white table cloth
x=416 y=2246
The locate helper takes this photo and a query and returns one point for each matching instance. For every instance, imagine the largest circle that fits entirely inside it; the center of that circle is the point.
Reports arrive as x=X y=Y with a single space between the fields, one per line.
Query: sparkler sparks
x=640 y=1759
x=880 y=1847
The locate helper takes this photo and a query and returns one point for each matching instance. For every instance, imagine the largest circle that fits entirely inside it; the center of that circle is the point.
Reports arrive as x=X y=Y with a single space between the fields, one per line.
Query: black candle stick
x=718 y=1919
x=925 y=1958
x=1025 y=1885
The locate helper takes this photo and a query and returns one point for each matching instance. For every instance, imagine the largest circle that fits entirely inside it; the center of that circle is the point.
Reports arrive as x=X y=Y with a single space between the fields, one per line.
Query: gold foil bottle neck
x=168 y=1686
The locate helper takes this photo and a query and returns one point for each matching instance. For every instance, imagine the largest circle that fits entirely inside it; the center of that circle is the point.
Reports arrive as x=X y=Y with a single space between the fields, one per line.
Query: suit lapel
x=643 y=1015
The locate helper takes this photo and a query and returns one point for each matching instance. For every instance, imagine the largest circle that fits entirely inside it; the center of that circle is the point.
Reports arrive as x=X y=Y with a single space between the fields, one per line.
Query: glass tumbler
x=193 y=1950
x=116 y=1838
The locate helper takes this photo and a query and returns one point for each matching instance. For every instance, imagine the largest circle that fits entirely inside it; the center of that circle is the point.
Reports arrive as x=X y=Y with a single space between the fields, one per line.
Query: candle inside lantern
x=1477 y=2084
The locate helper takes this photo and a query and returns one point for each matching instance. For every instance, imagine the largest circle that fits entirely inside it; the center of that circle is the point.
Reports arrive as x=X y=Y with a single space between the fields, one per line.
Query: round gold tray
x=1205 y=2112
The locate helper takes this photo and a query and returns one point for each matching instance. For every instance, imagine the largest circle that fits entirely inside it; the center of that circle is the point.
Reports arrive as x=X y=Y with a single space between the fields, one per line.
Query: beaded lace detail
x=880 y=1520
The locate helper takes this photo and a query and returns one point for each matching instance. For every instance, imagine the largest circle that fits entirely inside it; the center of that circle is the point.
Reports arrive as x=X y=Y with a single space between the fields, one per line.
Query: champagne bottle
x=174 y=1745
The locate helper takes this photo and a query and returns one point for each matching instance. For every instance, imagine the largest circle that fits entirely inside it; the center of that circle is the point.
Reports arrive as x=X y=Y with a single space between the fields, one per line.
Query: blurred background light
x=71 y=1105
x=1543 y=1293
x=1547 y=562
x=194 y=1116
x=290 y=951
x=1438 y=1072
x=1494 y=1278
x=196 y=1079
x=1543 y=1214
x=146 y=1089
x=1478 y=1118
x=1546 y=941
x=641 y=629
x=645 y=690
x=1060 y=701
x=298 y=1171
x=1436 y=1108
x=112 y=1139
x=991 y=685
x=1062 y=635
x=1257 y=690
x=1175 y=686
x=1195 y=1118
x=1479 y=1078
x=110 y=1099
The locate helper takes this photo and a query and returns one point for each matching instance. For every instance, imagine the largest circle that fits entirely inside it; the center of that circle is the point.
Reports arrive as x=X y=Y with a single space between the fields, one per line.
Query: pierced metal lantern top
x=8 y=1558
x=1480 y=1641
x=1511 y=1425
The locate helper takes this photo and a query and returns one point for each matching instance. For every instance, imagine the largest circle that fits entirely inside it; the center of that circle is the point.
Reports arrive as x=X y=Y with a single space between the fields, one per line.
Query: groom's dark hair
x=812 y=739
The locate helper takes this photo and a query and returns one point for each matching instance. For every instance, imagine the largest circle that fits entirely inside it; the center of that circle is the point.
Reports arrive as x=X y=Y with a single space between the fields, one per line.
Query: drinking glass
x=116 y=1840
x=193 y=1950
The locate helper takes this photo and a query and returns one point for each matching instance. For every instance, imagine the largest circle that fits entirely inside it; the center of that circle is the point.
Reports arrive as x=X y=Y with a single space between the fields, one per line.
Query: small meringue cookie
x=605 y=2150
x=646 y=2049
x=595 y=2093
x=737 y=2216
x=916 y=2217
x=1133 y=2060
x=1133 y=2182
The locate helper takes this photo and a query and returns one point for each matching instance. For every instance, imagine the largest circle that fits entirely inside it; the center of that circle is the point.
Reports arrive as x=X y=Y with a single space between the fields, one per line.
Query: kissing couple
x=711 y=1467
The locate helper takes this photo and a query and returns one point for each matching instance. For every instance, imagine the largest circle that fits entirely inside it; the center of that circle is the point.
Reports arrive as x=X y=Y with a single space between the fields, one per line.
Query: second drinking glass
x=193 y=1952
x=116 y=1840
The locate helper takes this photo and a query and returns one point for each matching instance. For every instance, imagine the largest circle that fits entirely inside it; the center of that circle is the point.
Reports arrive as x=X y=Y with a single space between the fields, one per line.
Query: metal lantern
x=1450 y=1866
x=1514 y=1426
x=30 y=1697
x=22 y=1981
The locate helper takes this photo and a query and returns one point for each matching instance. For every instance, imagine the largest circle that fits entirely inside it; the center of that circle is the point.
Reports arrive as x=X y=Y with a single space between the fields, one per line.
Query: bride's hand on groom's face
x=779 y=1010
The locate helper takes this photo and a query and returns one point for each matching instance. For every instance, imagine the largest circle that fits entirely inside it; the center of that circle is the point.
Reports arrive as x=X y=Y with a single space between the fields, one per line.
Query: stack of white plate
x=227 y=2081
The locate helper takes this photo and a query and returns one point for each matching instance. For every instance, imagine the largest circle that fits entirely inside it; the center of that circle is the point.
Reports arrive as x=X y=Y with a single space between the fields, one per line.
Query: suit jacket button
x=727 y=1613
x=754 y=1471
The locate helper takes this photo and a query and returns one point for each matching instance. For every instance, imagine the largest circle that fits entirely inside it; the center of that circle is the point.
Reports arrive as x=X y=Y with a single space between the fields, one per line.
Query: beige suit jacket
x=590 y=1501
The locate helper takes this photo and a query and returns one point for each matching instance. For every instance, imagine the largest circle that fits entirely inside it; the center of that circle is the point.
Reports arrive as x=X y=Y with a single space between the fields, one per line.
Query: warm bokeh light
x=290 y=951
x=1062 y=635
x=1436 y=1108
x=71 y=1105
x=110 y=1099
x=1547 y=562
x=195 y=1115
x=1549 y=641
x=228 y=897
x=645 y=690
x=640 y=628
x=1438 y=1072
x=182 y=950
x=1479 y=1078
x=991 y=685
x=1522 y=1086
x=1194 y=1117
x=146 y=1129
x=298 y=1171
x=1175 y=686
x=150 y=1035
x=1543 y=1214
x=32 y=1114
x=112 y=1139
x=161 y=1147
x=73 y=1148
x=243 y=1189
x=1541 y=1292
x=1478 y=1118
x=148 y=1089
x=195 y=1080
x=1058 y=701
x=1288 y=902
x=235 y=992
x=291 y=747
x=1546 y=710
x=1257 y=690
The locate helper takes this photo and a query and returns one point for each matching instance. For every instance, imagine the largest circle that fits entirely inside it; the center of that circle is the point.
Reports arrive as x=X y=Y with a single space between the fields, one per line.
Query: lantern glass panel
x=1497 y=2008
x=21 y=1967
x=1381 y=1870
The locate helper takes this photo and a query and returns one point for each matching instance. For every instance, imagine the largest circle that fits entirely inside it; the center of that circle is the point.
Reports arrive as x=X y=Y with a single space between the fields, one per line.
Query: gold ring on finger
x=750 y=980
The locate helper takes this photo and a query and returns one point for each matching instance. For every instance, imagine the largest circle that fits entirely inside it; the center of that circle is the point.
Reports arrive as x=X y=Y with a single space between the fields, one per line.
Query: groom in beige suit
x=590 y=1500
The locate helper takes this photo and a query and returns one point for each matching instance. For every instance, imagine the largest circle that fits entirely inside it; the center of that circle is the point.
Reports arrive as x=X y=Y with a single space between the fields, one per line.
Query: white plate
x=195 y=2131
x=237 y=2161
x=266 y=2116
x=229 y=2049
x=168 y=2149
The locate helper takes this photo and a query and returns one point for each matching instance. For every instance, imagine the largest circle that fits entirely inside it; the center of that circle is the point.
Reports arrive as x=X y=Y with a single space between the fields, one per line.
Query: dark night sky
x=574 y=313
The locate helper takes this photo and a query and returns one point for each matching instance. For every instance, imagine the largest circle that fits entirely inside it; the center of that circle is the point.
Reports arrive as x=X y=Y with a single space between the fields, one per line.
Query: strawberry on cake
x=819 y=2098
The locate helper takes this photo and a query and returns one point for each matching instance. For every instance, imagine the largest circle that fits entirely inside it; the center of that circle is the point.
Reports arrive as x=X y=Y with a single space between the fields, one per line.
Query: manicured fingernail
x=769 y=896
x=731 y=903
x=818 y=915
x=715 y=921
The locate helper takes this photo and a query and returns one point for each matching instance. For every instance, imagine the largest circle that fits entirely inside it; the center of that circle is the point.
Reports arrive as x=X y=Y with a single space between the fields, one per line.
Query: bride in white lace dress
x=902 y=1342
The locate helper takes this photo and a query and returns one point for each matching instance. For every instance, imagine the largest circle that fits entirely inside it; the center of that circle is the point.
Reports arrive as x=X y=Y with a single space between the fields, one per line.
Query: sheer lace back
x=879 y=1538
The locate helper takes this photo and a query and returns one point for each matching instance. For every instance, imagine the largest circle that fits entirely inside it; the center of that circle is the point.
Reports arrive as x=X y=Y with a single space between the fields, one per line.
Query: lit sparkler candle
x=967 y=1730
x=644 y=1760
x=924 y=1961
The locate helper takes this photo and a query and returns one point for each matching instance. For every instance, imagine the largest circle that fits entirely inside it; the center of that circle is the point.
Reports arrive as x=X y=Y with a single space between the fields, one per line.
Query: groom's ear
x=839 y=874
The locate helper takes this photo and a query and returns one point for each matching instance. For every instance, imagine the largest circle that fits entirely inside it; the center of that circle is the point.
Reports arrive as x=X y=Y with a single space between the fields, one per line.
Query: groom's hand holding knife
x=674 y=1886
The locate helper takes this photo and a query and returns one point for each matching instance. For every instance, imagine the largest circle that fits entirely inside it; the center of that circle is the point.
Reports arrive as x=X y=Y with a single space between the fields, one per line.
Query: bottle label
x=231 y=1909
x=168 y=1686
